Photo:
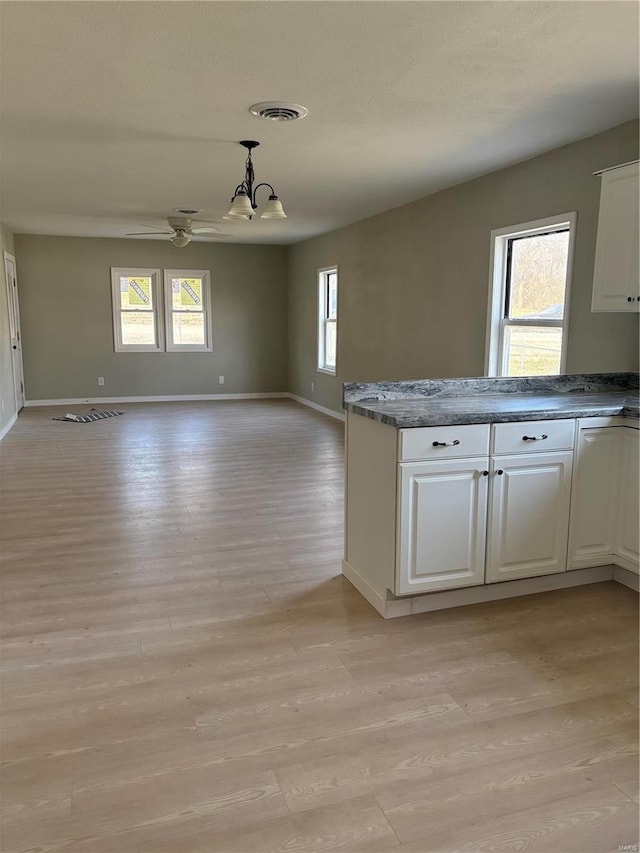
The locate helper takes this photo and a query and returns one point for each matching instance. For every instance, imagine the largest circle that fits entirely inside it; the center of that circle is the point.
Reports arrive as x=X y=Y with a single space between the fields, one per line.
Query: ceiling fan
x=181 y=230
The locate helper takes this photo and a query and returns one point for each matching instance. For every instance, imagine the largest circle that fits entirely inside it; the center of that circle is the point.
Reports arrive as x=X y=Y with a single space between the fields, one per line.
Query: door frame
x=14 y=326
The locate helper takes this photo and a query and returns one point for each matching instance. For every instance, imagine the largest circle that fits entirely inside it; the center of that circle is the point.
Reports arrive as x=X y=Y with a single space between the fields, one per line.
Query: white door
x=628 y=534
x=442 y=524
x=615 y=276
x=594 y=500
x=528 y=515
x=14 y=328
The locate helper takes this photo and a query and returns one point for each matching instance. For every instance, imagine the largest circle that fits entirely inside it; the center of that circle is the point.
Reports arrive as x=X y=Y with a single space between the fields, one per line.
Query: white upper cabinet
x=615 y=279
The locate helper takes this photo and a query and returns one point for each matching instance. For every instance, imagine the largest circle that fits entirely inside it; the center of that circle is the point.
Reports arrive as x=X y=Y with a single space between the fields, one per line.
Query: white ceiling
x=115 y=113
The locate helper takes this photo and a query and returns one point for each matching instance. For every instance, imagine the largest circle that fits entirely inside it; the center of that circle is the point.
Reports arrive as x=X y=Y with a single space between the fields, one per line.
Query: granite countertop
x=475 y=401
x=497 y=408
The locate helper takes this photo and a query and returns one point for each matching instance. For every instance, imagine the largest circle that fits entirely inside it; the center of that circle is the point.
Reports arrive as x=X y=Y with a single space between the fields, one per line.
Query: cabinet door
x=628 y=534
x=441 y=525
x=594 y=500
x=615 y=276
x=528 y=515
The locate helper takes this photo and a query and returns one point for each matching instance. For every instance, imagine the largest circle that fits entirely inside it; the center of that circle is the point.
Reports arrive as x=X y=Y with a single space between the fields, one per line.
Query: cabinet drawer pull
x=629 y=298
x=446 y=443
x=535 y=437
x=500 y=471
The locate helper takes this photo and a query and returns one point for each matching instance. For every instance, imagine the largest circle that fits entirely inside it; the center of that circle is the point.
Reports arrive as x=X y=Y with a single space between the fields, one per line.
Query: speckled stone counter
x=439 y=402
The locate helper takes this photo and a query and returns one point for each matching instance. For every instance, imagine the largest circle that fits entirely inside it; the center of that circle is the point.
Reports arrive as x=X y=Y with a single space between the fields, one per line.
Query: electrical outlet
x=220 y=380
x=313 y=386
x=100 y=380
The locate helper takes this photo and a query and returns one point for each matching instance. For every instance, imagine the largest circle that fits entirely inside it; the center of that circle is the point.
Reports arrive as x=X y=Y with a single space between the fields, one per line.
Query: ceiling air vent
x=278 y=111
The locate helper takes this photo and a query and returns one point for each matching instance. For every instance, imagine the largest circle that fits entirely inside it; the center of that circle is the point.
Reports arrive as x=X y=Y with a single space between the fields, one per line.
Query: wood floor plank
x=185 y=670
x=592 y=822
x=497 y=790
x=405 y=757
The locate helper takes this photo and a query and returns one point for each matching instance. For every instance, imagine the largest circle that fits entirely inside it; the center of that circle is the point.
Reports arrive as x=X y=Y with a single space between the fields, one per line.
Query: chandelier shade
x=243 y=201
x=273 y=209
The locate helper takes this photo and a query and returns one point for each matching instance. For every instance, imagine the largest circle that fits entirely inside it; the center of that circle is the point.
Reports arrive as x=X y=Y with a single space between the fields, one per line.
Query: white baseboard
x=185 y=398
x=626 y=578
x=164 y=398
x=5 y=429
x=374 y=598
x=339 y=416
x=392 y=607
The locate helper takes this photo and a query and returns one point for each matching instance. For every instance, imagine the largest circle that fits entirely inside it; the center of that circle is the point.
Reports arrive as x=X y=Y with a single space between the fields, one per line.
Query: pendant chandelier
x=243 y=202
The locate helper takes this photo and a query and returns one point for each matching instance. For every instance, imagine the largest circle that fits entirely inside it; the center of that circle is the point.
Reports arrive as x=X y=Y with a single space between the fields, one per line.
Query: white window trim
x=206 y=305
x=497 y=285
x=322 y=367
x=154 y=274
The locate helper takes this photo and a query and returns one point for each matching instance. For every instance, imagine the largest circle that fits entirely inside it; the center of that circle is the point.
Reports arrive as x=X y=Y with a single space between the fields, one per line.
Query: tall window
x=529 y=297
x=187 y=307
x=328 y=319
x=137 y=319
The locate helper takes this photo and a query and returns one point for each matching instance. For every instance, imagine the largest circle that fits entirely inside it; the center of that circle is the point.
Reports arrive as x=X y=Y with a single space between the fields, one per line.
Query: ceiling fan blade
x=209 y=236
x=149 y=233
x=203 y=229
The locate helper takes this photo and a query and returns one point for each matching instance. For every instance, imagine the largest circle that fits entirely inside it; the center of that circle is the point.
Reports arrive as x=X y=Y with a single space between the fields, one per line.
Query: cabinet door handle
x=535 y=437
x=446 y=443
x=630 y=299
x=500 y=471
x=484 y=473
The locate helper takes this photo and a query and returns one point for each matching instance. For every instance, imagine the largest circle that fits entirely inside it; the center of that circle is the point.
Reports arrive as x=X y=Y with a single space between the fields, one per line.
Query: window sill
x=327 y=371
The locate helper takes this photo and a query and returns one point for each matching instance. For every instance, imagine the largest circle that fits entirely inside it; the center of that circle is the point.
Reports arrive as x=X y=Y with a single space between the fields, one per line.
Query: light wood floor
x=185 y=670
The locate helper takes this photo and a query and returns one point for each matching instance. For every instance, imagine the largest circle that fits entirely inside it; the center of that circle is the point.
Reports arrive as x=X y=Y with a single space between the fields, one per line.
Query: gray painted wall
x=65 y=304
x=7 y=398
x=414 y=281
x=413 y=294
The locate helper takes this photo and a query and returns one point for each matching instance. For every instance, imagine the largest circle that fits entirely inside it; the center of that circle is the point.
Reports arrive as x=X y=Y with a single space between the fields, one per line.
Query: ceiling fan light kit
x=243 y=201
x=180 y=239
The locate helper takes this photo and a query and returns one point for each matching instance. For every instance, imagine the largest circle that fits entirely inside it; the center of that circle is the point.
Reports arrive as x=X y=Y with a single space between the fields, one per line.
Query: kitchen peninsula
x=468 y=490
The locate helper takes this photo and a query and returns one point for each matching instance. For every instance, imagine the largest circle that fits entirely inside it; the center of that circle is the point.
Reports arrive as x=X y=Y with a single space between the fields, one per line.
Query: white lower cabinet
x=442 y=524
x=627 y=548
x=594 y=513
x=464 y=522
x=530 y=499
x=604 y=510
x=528 y=515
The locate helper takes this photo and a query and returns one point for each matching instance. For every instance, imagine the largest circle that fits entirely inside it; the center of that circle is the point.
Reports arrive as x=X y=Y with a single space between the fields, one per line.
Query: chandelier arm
x=257 y=187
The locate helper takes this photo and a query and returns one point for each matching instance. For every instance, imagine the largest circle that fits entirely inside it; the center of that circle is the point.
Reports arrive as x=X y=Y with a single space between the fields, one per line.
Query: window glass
x=136 y=293
x=138 y=328
x=186 y=294
x=188 y=329
x=537 y=273
x=532 y=350
x=330 y=345
x=332 y=296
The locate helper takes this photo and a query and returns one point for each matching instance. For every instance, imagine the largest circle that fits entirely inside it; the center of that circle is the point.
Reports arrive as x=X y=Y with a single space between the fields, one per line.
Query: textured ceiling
x=115 y=113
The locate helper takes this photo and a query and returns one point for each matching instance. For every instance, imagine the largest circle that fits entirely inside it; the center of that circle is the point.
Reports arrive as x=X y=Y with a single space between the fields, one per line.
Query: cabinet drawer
x=447 y=442
x=532 y=436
